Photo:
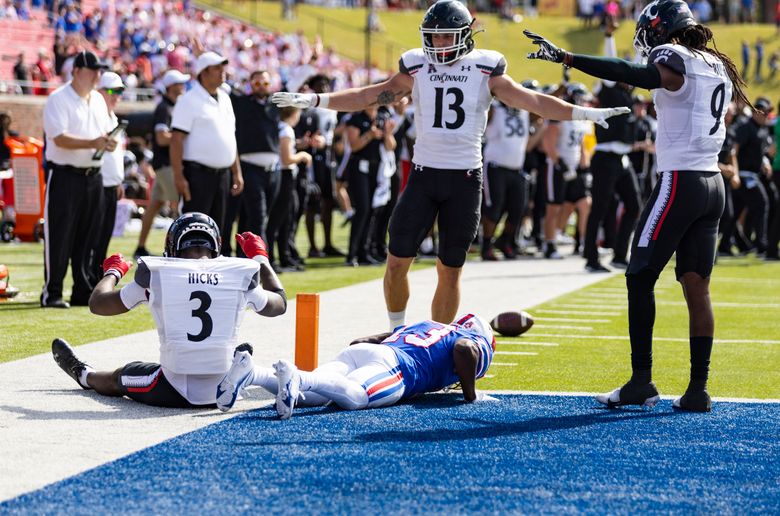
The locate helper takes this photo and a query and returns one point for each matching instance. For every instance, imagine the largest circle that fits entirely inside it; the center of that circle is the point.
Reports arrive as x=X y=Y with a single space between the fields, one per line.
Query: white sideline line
x=529 y=343
x=526 y=353
x=724 y=304
x=502 y=364
x=612 y=290
x=661 y=339
x=565 y=319
x=575 y=312
x=598 y=295
x=563 y=327
x=592 y=394
x=757 y=281
x=586 y=306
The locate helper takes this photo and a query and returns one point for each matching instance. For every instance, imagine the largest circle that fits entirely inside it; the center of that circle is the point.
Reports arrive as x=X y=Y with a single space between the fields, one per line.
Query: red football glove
x=116 y=265
x=252 y=245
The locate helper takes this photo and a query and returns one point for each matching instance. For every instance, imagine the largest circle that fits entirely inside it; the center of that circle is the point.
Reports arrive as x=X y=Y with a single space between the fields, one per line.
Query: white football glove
x=597 y=115
x=299 y=100
x=482 y=397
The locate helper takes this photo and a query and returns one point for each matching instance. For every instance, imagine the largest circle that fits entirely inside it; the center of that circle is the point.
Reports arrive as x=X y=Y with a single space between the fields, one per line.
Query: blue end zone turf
x=438 y=455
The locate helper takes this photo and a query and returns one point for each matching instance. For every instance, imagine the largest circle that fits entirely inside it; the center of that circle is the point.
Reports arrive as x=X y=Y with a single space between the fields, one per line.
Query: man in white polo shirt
x=76 y=124
x=111 y=88
x=203 y=142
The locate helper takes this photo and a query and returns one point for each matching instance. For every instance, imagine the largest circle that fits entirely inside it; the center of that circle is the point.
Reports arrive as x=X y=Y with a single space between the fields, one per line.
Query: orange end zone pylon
x=307 y=331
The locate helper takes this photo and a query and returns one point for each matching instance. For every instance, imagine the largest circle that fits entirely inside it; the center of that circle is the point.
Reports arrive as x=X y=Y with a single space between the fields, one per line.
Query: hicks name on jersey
x=204 y=278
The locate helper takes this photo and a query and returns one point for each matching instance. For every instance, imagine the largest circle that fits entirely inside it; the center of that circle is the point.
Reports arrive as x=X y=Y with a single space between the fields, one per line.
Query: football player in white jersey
x=452 y=85
x=562 y=143
x=197 y=299
x=692 y=84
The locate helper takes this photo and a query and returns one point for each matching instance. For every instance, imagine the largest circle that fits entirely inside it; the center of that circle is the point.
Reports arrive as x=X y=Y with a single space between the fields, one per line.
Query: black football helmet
x=192 y=230
x=447 y=17
x=531 y=84
x=577 y=93
x=658 y=21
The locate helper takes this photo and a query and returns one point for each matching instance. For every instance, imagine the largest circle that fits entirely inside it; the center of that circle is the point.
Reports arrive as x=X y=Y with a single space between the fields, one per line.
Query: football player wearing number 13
x=452 y=85
x=692 y=85
x=197 y=299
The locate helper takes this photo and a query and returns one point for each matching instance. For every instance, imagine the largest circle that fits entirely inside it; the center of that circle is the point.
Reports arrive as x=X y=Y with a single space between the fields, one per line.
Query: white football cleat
x=643 y=394
x=289 y=388
x=235 y=380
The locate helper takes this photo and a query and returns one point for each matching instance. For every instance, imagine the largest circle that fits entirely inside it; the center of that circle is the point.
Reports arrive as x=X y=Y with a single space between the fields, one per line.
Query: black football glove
x=547 y=51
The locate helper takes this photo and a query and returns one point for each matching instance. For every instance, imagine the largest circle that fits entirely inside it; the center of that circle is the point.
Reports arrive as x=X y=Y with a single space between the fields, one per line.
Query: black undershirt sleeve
x=618 y=70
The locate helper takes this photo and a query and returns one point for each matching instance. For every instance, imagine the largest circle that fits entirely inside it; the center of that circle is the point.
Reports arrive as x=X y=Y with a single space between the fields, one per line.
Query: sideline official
x=203 y=144
x=76 y=123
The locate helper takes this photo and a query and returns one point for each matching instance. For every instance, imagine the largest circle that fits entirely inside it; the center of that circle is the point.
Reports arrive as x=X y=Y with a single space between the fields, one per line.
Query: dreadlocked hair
x=696 y=37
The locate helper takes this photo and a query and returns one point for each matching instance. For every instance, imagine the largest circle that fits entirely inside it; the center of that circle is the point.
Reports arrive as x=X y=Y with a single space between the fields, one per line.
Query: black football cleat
x=633 y=393
x=65 y=357
x=694 y=401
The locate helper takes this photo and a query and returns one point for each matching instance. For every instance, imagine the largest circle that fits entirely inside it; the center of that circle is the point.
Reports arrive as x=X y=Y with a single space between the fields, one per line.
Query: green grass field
x=28 y=329
x=341 y=29
x=593 y=353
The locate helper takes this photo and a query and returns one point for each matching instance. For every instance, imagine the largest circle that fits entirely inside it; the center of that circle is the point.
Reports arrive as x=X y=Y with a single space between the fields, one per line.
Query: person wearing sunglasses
x=112 y=170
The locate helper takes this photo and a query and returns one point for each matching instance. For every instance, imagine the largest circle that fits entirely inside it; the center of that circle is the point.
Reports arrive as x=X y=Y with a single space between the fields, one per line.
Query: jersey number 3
x=455 y=105
x=207 y=325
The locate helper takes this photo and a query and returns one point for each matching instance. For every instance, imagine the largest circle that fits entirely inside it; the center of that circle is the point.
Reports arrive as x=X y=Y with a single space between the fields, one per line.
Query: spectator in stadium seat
x=21 y=74
x=164 y=189
x=76 y=123
x=113 y=173
x=203 y=144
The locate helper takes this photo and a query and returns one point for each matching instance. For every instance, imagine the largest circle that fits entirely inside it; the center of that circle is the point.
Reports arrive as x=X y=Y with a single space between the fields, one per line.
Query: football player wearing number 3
x=198 y=299
x=376 y=371
x=452 y=85
x=692 y=85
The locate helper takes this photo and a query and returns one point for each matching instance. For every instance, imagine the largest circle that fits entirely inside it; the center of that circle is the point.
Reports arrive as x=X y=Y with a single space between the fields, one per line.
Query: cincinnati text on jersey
x=445 y=77
x=206 y=278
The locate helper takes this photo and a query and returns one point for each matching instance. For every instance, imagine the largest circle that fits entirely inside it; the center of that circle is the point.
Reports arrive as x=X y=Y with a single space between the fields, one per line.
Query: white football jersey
x=570 y=141
x=198 y=306
x=691 y=129
x=451 y=104
x=506 y=136
x=328 y=121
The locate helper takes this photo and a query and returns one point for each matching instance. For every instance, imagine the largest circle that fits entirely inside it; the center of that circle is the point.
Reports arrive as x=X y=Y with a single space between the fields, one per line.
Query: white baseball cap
x=110 y=81
x=172 y=77
x=207 y=59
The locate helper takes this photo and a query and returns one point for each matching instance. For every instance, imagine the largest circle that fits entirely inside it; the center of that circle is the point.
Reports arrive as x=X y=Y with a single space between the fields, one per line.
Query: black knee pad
x=642 y=281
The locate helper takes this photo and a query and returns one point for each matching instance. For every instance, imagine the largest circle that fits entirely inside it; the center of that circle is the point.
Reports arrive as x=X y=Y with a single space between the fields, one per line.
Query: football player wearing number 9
x=378 y=370
x=692 y=85
x=198 y=299
x=452 y=85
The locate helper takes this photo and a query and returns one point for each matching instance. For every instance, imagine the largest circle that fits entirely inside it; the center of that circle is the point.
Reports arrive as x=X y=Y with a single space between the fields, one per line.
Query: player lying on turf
x=375 y=371
x=198 y=299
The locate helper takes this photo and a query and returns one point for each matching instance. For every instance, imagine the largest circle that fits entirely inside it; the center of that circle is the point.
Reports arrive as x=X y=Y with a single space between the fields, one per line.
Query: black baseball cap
x=86 y=59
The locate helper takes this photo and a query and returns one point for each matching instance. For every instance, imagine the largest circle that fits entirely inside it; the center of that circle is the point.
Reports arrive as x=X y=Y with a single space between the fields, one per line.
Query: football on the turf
x=512 y=324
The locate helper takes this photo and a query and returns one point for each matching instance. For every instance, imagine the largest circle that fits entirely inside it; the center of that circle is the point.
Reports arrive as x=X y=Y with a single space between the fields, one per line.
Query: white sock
x=265 y=378
x=396 y=319
x=83 y=377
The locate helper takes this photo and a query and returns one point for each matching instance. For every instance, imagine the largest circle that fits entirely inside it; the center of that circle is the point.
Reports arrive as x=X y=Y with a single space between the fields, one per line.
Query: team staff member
x=752 y=140
x=203 y=144
x=164 y=190
x=452 y=86
x=683 y=212
x=76 y=123
x=774 y=226
x=257 y=137
x=113 y=172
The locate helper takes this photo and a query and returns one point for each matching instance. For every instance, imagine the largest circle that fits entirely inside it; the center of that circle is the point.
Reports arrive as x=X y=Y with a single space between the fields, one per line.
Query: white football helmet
x=478 y=325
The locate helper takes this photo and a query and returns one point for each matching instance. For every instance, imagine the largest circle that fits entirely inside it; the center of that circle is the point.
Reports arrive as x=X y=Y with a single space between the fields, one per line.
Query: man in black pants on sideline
x=612 y=173
x=76 y=123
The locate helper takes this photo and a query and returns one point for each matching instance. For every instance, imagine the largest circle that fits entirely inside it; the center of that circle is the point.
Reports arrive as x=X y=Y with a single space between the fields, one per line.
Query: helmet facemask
x=462 y=44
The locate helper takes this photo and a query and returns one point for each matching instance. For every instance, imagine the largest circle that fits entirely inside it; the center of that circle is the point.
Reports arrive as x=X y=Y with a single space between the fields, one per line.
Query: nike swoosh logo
x=220 y=392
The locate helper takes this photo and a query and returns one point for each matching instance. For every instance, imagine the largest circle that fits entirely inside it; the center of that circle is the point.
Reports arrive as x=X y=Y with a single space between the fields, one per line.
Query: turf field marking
x=757 y=281
x=564 y=319
x=592 y=394
x=563 y=327
x=526 y=353
x=613 y=290
x=598 y=295
x=576 y=312
x=724 y=304
x=662 y=339
x=587 y=306
x=502 y=364
x=524 y=343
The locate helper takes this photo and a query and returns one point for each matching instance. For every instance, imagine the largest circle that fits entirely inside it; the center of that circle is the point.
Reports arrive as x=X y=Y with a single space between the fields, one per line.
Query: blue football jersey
x=424 y=352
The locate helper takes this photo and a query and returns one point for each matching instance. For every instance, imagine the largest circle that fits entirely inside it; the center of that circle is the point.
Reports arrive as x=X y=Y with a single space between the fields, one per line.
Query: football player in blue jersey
x=376 y=371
